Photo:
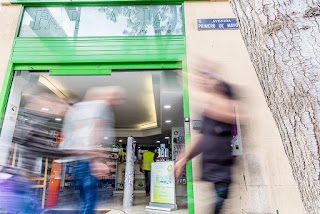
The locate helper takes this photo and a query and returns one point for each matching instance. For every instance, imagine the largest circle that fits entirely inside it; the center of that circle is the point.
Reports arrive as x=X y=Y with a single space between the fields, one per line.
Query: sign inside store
x=163 y=183
x=217 y=24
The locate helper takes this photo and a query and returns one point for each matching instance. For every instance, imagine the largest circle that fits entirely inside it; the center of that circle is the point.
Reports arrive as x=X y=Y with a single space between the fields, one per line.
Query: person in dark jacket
x=216 y=135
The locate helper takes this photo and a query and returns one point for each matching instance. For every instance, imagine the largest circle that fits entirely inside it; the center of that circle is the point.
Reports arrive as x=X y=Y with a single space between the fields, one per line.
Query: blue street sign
x=217 y=24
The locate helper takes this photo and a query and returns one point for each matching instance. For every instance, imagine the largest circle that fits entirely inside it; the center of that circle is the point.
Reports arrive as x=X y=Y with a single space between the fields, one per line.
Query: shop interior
x=152 y=114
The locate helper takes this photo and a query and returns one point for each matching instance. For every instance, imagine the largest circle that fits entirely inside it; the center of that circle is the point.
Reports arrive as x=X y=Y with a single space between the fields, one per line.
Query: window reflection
x=102 y=21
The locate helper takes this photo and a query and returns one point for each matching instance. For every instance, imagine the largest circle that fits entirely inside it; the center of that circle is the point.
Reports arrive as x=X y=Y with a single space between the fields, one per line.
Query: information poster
x=163 y=183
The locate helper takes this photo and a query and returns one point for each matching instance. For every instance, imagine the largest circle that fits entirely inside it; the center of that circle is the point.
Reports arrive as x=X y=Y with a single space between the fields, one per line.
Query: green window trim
x=93 y=67
x=189 y=171
x=5 y=92
x=81 y=72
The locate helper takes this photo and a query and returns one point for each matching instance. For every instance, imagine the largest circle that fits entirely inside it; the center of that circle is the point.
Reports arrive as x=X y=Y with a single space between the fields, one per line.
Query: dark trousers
x=87 y=185
x=221 y=189
x=147 y=175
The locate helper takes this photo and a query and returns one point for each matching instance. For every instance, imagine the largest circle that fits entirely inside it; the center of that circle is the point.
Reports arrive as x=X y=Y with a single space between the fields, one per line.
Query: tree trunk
x=283 y=41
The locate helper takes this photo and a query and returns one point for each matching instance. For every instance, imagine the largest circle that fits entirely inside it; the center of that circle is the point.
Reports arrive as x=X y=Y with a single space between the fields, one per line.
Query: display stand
x=162 y=195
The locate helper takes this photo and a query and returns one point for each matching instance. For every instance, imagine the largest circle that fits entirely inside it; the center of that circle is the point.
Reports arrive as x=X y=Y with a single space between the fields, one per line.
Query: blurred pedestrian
x=216 y=134
x=32 y=139
x=16 y=195
x=88 y=129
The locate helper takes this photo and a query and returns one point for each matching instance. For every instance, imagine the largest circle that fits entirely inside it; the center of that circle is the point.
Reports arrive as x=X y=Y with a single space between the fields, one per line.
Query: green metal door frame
x=158 y=56
x=105 y=69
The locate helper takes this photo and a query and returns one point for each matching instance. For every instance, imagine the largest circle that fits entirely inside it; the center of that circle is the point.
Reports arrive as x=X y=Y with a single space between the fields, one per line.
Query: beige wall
x=9 y=17
x=263 y=179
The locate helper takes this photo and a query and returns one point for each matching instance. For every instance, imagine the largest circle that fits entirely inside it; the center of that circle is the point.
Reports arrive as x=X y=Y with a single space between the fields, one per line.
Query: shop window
x=88 y=21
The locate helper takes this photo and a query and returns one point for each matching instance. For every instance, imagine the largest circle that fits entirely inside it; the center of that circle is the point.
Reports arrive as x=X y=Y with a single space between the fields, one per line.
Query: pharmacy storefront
x=147 y=47
x=64 y=50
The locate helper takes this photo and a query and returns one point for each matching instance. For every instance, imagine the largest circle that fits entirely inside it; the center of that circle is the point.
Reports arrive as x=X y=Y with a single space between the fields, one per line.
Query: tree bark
x=283 y=41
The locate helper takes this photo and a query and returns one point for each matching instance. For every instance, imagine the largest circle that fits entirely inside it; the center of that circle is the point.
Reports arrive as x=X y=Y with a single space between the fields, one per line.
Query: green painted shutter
x=98 y=50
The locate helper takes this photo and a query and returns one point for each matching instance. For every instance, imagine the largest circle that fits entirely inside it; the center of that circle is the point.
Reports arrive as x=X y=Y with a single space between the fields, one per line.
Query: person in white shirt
x=88 y=130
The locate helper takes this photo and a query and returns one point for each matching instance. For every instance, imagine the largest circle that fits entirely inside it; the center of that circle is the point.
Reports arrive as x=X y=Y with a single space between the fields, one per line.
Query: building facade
x=263 y=177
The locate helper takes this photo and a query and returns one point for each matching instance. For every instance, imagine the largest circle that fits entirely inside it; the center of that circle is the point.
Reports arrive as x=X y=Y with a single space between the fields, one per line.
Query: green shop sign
x=88 y=21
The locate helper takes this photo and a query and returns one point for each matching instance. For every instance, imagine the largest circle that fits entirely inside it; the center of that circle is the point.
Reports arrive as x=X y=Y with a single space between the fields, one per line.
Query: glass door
x=153 y=114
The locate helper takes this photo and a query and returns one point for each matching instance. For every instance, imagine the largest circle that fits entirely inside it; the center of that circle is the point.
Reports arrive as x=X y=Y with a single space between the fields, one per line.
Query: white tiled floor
x=139 y=206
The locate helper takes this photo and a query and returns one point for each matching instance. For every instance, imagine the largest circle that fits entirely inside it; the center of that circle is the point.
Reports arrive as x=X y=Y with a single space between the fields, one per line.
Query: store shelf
x=178 y=146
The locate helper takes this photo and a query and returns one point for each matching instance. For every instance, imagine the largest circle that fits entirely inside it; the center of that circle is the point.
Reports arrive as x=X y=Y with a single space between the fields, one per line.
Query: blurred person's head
x=211 y=82
x=112 y=95
x=205 y=73
x=209 y=75
x=216 y=85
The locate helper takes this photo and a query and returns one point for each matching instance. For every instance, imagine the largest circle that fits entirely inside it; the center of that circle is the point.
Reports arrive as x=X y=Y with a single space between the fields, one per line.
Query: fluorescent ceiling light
x=158 y=141
x=167 y=138
x=167 y=106
x=120 y=141
x=58 y=119
x=44 y=109
x=168 y=121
